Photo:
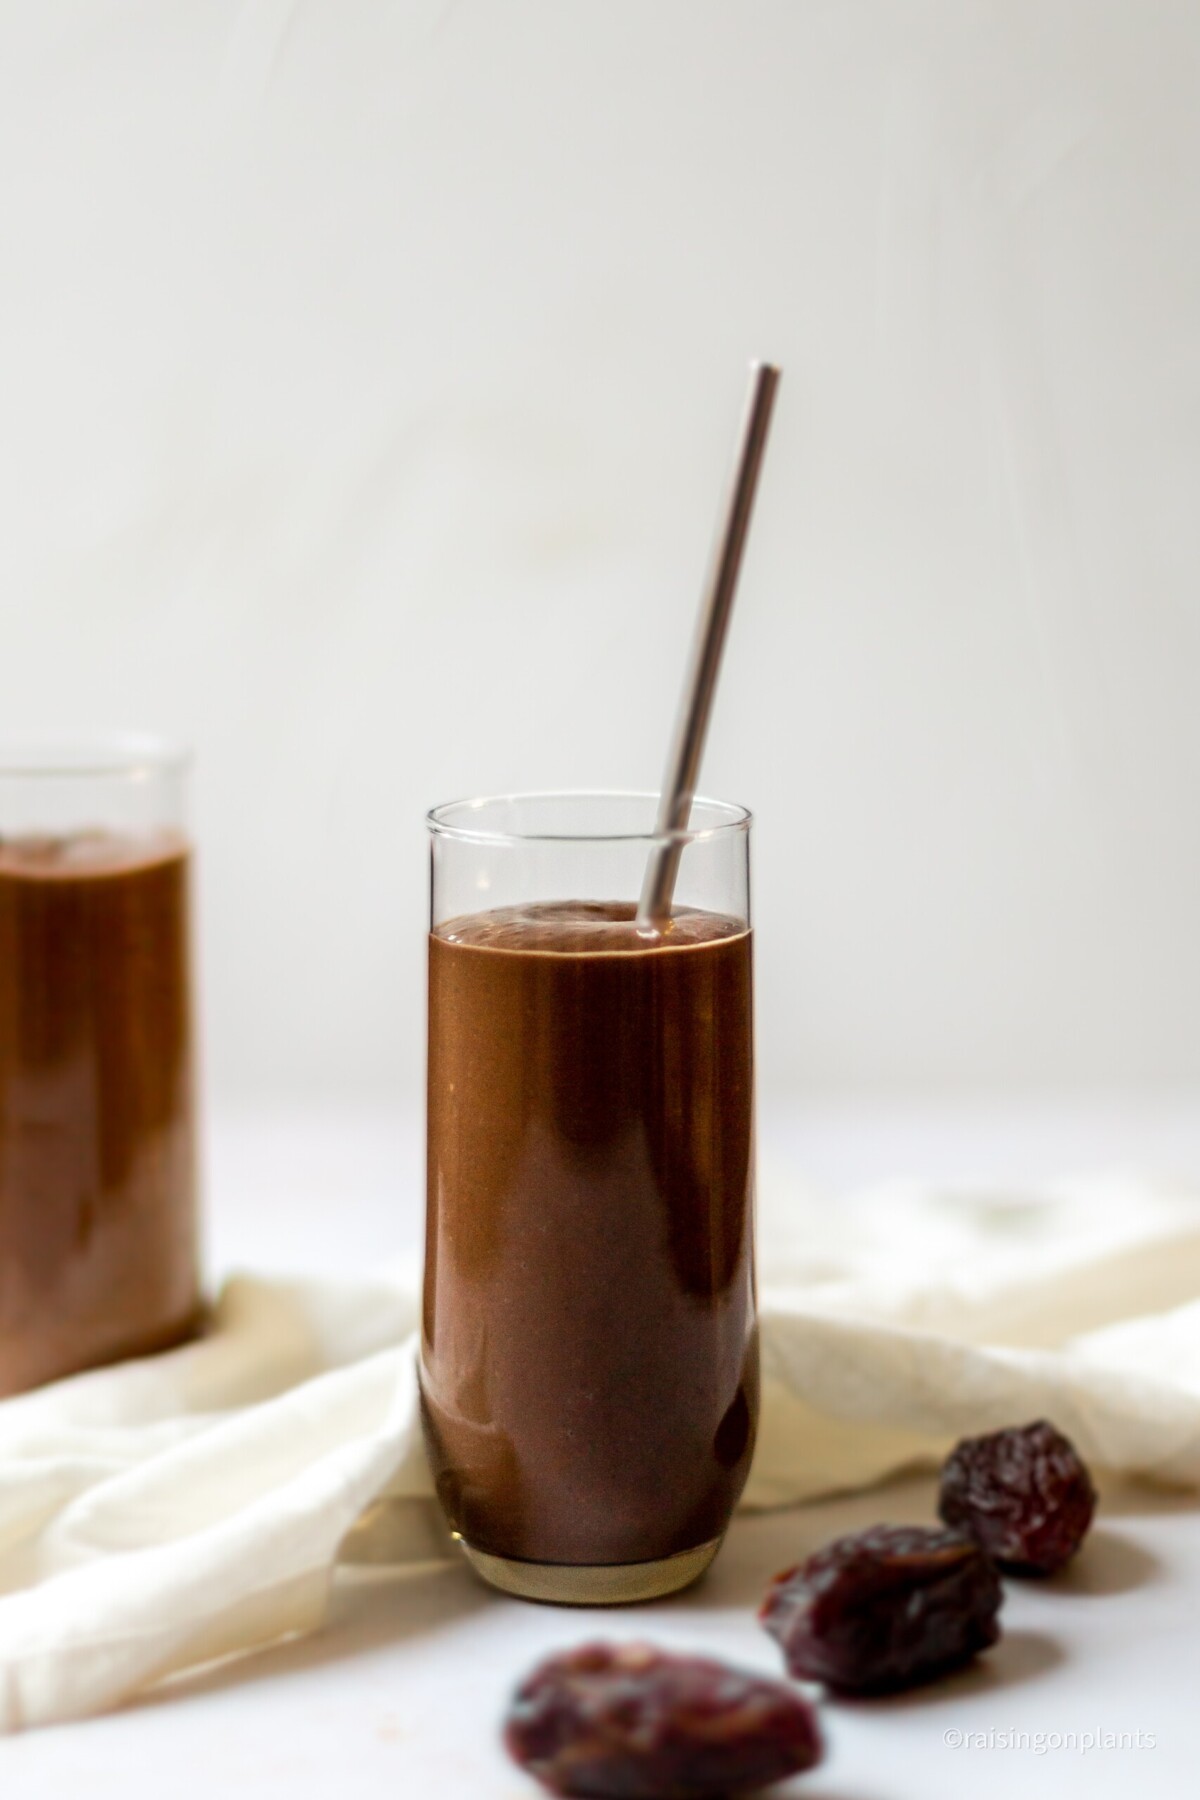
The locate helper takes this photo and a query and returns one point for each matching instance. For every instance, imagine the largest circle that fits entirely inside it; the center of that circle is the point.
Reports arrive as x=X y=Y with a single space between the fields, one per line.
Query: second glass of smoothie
x=589 y=1365
x=98 y=1256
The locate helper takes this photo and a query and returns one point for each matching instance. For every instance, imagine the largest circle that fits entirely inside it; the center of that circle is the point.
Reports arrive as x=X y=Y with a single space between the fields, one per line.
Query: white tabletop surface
x=1089 y=1691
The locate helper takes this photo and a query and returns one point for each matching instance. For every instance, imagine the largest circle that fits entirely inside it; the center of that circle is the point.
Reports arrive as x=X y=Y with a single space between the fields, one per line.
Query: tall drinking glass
x=97 y=1134
x=589 y=1362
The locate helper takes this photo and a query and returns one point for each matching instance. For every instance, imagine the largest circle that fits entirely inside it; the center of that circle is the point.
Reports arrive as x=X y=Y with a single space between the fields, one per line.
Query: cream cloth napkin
x=163 y=1513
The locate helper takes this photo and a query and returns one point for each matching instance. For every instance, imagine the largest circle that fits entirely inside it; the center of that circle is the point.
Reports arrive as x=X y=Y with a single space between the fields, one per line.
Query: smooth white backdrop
x=368 y=370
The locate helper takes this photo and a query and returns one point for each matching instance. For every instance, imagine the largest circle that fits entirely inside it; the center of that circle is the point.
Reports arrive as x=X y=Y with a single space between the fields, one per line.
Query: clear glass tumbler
x=589 y=1362
x=97 y=1121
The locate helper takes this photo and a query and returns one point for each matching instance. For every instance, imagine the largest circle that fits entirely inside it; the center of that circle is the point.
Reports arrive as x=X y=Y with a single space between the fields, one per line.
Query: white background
x=368 y=372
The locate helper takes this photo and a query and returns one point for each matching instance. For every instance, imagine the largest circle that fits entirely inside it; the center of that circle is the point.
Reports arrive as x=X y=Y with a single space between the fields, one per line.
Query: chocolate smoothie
x=97 y=1201
x=589 y=1358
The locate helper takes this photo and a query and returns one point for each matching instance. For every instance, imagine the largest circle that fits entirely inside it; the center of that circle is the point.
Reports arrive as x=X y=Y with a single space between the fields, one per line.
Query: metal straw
x=695 y=707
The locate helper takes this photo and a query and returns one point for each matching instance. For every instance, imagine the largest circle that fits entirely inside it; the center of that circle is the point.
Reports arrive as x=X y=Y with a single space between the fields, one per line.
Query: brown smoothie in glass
x=97 y=1153
x=589 y=1358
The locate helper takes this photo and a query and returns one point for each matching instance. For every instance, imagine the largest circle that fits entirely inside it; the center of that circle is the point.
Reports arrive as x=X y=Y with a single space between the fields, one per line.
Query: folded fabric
x=160 y=1514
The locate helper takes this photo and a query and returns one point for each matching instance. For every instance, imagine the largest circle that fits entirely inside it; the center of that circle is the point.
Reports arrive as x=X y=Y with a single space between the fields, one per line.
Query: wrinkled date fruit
x=887 y=1609
x=631 y=1722
x=1024 y=1494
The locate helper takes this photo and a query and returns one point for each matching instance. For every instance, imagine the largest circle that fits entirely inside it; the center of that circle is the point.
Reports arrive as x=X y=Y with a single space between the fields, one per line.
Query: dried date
x=887 y=1609
x=1024 y=1494
x=629 y=1722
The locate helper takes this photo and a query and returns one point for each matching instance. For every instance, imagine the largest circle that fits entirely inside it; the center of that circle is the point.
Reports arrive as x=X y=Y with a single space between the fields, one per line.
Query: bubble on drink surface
x=585 y=927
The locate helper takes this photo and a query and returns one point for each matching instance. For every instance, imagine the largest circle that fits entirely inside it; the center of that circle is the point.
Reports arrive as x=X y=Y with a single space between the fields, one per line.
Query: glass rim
x=737 y=820
x=115 y=755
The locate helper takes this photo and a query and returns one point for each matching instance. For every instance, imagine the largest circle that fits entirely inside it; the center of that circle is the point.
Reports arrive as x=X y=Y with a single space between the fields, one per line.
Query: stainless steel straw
x=695 y=707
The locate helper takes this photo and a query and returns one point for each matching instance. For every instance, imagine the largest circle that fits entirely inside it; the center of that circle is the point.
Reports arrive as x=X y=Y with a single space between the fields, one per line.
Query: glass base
x=595 y=1584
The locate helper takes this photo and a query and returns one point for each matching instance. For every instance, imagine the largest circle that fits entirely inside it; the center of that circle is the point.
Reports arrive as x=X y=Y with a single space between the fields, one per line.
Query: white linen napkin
x=162 y=1513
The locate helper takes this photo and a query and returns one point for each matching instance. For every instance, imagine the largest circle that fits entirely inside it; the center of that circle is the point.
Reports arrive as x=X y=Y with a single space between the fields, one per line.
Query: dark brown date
x=888 y=1609
x=629 y=1722
x=1024 y=1494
